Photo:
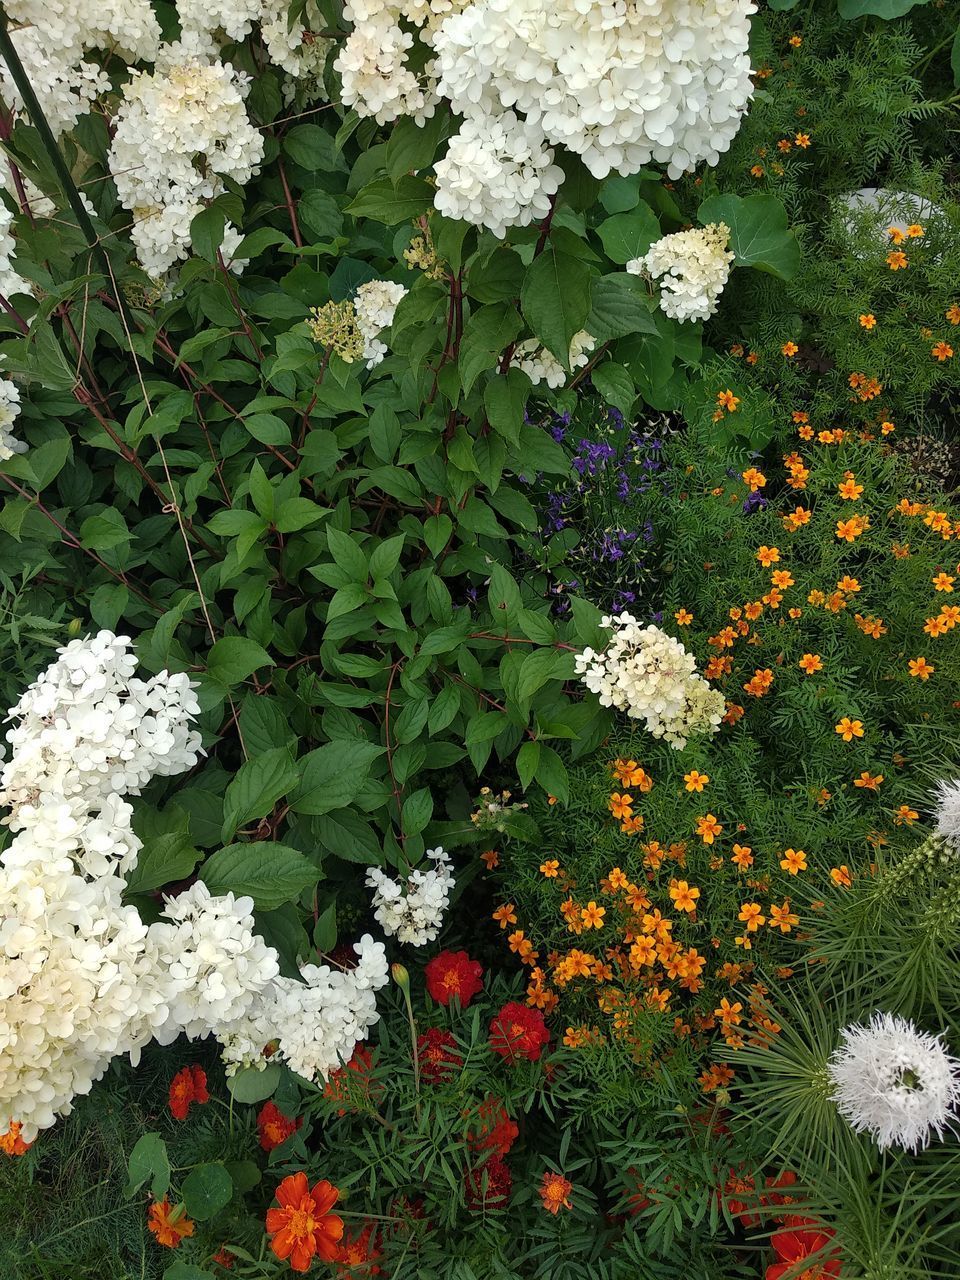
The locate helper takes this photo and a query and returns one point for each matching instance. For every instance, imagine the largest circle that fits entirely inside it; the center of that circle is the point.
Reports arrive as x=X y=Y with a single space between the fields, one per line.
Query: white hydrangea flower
x=894 y=1082
x=412 y=910
x=541 y=365
x=298 y=50
x=376 y=304
x=179 y=131
x=88 y=728
x=692 y=267
x=51 y=38
x=618 y=83
x=11 y=282
x=651 y=677
x=498 y=172
x=376 y=81
x=9 y=412
x=216 y=964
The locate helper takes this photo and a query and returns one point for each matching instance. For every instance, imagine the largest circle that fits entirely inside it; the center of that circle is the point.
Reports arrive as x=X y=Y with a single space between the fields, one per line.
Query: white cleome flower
x=412 y=910
x=947 y=816
x=651 y=676
x=692 y=267
x=894 y=1082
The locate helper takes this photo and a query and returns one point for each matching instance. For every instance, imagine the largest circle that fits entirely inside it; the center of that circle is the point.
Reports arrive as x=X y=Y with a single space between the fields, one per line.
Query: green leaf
x=626 y=236
x=312 y=148
x=619 y=305
x=552 y=774
x=206 y=1189
x=345 y=834
x=206 y=232
x=412 y=146
x=325 y=930
x=619 y=195
x=186 y=1271
x=759 y=236
x=444 y=709
x=345 y=600
x=876 y=8
x=254 y=1084
x=417 y=811
x=555 y=300
x=164 y=858
x=148 y=1162
x=385 y=557
x=955 y=59
x=320 y=214
x=234 y=658
x=528 y=757
x=615 y=385
x=331 y=776
x=505 y=398
x=268 y=873
x=348 y=554
x=539 y=667
x=256 y=787
x=436 y=533
x=384 y=201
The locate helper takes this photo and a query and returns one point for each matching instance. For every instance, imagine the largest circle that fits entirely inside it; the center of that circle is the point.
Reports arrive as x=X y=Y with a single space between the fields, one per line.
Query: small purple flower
x=754 y=502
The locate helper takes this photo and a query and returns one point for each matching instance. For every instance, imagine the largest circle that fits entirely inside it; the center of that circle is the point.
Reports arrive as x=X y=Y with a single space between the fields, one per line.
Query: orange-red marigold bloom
x=555 y=1192
x=11 y=1143
x=303 y=1228
x=453 y=974
x=188 y=1085
x=274 y=1127
x=167 y=1225
x=438 y=1055
x=518 y=1032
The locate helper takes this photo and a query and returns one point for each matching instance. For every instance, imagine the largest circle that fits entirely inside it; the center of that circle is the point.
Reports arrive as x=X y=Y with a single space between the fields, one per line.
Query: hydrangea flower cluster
x=52 y=37
x=11 y=281
x=692 y=267
x=497 y=173
x=618 y=82
x=894 y=1082
x=82 y=978
x=376 y=304
x=541 y=365
x=9 y=412
x=651 y=676
x=412 y=910
x=179 y=131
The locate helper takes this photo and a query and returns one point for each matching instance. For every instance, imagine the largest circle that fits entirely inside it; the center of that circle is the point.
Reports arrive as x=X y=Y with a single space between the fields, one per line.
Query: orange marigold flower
x=896 y=260
x=733 y=713
x=848 y=584
x=941 y=351
x=782 y=578
x=953 y=314
x=841 y=876
x=782 y=917
x=943 y=582
x=11 y=1143
x=708 y=828
x=683 y=618
x=905 y=816
x=727 y=400
x=915 y=231
x=592 y=915
x=751 y=913
x=896 y=235
x=742 y=856
x=303 y=1228
x=921 y=668
x=187 y=1086
x=490 y=859
x=555 y=1192
x=169 y=1225
x=868 y=320
x=620 y=805
x=795 y=42
x=789 y=349
x=797 y=517
x=695 y=781
x=794 y=861
x=768 y=556
x=810 y=663
x=868 y=781
x=802 y=140
x=849 y=729
x=849 y=489
x=757 y=171
x=936 y=626
x=505 y=915
x=759 y=683
x=630 y=774
x=550 y=869
x=850 y=530
x=684 y=896
x=754 y=478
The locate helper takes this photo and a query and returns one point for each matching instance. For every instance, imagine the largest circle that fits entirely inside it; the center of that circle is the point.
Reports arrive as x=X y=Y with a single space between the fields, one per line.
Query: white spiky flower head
x=948 y=813
x=894 y=1082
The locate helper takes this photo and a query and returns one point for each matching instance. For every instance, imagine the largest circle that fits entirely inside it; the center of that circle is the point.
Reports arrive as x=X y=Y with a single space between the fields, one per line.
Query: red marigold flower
x=303 y=1228
x=494 y=1130
x=188 y=1085
x=438 y=1055
x=225 y=1258
x=346 y=1082
x=357 y=1255
x=555 y=1192
x=488 y=1185
x=518 y=1032
x=800 y=1240
x=169 y=1225
x=11 y=1143
x=453 y=973
x=274 y=1127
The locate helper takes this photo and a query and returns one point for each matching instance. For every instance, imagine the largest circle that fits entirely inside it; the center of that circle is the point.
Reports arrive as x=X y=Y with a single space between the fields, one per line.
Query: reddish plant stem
x=397 y=790
x=291 y=207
